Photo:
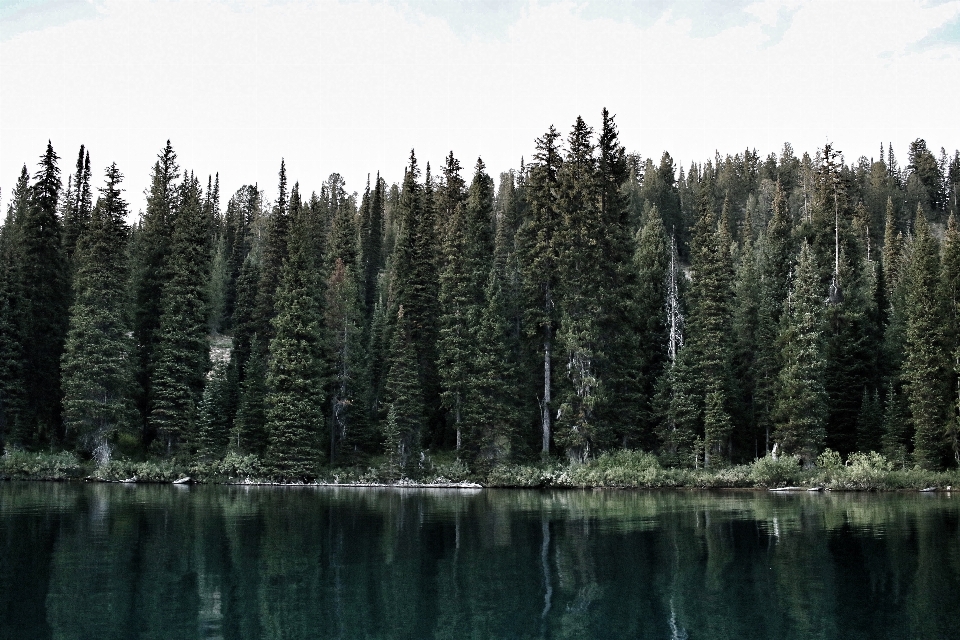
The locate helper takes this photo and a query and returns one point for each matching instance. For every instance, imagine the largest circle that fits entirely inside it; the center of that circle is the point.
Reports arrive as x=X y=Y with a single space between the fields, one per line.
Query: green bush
x=780 y=472
x=24 y=465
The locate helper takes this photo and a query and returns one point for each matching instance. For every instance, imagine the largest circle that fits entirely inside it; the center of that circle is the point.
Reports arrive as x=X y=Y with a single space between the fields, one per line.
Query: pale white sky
x=351 y=85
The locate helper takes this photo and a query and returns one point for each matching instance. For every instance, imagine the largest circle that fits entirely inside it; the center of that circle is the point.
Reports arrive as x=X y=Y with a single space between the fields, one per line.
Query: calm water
x=114 y=561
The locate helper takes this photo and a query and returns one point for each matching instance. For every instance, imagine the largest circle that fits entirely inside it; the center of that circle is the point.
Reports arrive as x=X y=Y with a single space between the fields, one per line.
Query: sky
x=351 y=86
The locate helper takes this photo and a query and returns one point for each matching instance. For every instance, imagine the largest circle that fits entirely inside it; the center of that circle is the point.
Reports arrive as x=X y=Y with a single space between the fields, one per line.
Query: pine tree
x=343 y=316
x=150 y=267
x=98 y=380
x=619 y=296
x=950 y=283
x=213 y=415
x=468 y=252
x=403 y=428
x=273 y=253
x=182 y=359
x=800 y=410
x=415 y=286
x=580 y=255
x=13 y=427
x=79 y=210
x=295 y=378
x=249 y=426
x=458 y=301
x=926 y=365
x=538 y=263
x=45 y=290
x=651 y=262
x=707 y=354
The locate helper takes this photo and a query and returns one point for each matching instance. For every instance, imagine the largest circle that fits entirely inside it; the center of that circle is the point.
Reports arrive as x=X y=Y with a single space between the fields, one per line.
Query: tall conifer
x=98 y=380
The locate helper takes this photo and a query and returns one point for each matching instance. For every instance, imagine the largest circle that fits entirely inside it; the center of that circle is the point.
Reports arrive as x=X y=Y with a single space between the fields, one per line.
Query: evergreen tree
x=213 y=414
x=79 y=210
x=344 y=323
x=926 y=365
x=538 y=263
x=651 y=262
x=800 y=410
x=45 y=289
x=182 y=359
x=415 y=286
x=618 y=293
x=295 y=378
x=150 y=267
x=249 y=426
x=98 y=380
x=403 y=428
x=950 y=283
x=13 y=426
x=273 y=254
x=707 y=354
x=458 y=300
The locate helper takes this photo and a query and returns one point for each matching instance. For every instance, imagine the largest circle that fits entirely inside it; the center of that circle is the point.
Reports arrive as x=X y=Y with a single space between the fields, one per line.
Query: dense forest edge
x=594 y=318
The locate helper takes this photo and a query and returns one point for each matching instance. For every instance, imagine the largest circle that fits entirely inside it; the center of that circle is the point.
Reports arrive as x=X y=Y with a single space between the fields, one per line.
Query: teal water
x=115 y=561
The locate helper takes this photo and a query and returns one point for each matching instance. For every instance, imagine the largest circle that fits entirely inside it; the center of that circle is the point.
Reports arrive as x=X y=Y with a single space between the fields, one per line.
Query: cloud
x=352 y=86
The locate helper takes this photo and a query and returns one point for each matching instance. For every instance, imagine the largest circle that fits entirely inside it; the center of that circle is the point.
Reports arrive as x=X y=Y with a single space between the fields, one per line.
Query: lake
x=106 y=561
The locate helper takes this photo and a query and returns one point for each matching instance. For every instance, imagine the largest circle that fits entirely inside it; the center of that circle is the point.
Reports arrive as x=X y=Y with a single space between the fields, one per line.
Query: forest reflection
x=114 y=561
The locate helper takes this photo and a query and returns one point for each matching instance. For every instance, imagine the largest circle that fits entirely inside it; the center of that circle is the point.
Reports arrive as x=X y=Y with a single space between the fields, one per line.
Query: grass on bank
x=621 y=469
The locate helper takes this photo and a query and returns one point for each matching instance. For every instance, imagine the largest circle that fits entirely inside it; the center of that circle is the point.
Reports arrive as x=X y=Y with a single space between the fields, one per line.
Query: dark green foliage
x=596 y=301
x=870 y=422
x=249 y=432
x=708 y=349
x=651 y=262
x=537 y=253
x=176 y=382
x=13 y=427
x=926 y=369
x=45 y=289
x=213 y=414
x=404 y=426
x=98 y=382
x=79 y=206
x=150 y=254
x=273 y=254
x=415 y=287
x=800 y=410
x=295 y=378
x=343 y=315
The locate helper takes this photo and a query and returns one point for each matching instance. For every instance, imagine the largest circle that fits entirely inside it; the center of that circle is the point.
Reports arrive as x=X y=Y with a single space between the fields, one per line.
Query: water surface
x=150 y=561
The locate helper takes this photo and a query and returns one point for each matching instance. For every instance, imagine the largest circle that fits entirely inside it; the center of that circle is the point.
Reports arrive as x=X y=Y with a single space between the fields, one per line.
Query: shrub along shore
x=623 y=469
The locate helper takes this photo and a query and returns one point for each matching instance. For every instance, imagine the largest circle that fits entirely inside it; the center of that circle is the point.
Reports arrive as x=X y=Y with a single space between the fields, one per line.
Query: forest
x=589 y=302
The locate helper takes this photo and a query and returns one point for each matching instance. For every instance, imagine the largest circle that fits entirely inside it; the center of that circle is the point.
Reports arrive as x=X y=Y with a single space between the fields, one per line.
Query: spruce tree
x=651 y=262
x=295 y=378
x=150 y=269
x=79 y=210
x=950 y=283
x=273 y=254
x=415 y=286
x=618 y=294
x=213 y=415
x=926 y=365
x=800 y=410
x=45 y=289
x=98 y=379
x=249 y=426
x=580 y=257
x=343 y=315
x=538 y=265
x=182 y=360
x=404 y=425
x=468 y=252
x=13 y=427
